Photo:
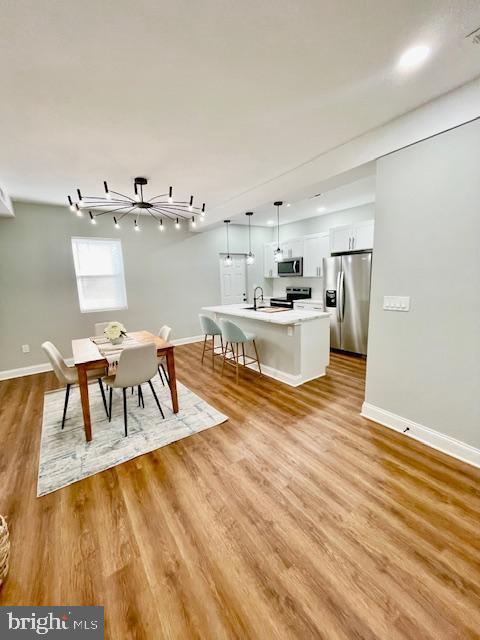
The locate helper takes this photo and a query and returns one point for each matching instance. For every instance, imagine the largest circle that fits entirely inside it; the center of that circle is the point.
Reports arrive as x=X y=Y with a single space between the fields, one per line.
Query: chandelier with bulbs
x=160 y=207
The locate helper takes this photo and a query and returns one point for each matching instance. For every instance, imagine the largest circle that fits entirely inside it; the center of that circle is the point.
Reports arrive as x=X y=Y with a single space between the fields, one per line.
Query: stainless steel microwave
x=290 y=267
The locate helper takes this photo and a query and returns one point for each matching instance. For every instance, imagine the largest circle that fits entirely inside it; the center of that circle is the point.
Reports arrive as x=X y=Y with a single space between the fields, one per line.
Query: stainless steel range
x=293 y=294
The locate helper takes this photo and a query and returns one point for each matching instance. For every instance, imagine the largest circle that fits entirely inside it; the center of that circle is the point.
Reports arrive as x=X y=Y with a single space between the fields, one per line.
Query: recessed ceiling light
x=413 y=57
x=321 y=209
x=270 y=222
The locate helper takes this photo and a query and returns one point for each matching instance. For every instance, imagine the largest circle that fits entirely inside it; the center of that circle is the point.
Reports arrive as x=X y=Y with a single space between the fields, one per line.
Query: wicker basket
x=4 y=549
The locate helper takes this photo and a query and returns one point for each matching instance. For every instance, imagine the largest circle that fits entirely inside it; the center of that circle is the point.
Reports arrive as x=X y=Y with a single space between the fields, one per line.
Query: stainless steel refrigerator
x=346 y=294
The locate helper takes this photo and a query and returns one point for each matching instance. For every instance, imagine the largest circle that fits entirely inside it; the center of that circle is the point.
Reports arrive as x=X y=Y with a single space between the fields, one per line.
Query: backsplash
x=280 y=284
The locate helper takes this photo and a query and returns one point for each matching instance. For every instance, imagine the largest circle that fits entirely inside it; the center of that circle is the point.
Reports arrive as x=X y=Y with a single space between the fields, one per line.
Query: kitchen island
x=293 y=345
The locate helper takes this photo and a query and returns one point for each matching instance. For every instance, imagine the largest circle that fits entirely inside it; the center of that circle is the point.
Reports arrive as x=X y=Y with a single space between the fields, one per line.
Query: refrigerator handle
x=339 y=315
x=341 y=296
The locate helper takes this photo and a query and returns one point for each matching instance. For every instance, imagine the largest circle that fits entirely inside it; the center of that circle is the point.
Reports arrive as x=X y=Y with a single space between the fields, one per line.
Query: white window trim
x=93 y=239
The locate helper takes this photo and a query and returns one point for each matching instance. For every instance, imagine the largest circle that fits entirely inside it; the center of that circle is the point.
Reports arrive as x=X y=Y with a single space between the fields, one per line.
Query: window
x=99 y=270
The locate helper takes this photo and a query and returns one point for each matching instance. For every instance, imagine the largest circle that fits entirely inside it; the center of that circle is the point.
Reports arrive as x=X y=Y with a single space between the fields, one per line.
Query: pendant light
x=228 y=260
x=278 y=253
x=250 y=256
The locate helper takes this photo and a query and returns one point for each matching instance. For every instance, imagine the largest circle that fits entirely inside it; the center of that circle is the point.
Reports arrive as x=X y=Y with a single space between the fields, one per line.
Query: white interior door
x=233 y=280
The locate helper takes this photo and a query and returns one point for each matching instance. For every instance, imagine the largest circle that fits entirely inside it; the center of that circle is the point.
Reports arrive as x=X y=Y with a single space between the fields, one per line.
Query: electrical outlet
x=26 y=348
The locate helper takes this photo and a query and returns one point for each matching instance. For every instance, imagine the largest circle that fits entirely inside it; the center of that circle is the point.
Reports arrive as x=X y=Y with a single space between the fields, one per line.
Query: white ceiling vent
x=6 y=207
x=474 y=36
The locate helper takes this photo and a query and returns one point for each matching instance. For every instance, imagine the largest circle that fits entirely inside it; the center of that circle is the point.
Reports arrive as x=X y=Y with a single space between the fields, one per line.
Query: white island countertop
x=294 y=316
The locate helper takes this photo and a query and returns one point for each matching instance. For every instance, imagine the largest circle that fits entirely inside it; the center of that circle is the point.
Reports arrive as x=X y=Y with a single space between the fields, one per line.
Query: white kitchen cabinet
x=292 y=248
x=354 y=237
x=315 y=249
x=362 y=235
x=269 y=265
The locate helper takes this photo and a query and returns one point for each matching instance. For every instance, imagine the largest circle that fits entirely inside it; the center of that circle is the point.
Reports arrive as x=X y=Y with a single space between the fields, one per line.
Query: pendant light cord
x=278 y=226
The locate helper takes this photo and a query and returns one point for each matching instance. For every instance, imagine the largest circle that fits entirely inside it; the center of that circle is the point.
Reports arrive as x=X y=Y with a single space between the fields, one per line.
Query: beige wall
x=169 y=277
x=425 y=365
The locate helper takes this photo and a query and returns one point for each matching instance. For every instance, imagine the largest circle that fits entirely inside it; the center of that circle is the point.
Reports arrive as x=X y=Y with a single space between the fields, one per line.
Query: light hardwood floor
x=295 y=519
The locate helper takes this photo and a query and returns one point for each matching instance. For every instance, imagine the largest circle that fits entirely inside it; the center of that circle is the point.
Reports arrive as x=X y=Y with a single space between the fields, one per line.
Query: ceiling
x=352 y=194
x=213 y=97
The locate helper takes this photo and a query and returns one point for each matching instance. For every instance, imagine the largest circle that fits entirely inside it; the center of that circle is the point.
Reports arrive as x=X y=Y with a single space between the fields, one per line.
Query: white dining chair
x=67 y=376
x=164 y=333
x=136 y=365
x=99 y=328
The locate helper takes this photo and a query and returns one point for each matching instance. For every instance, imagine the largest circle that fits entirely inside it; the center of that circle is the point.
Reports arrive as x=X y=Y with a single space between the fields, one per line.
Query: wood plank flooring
x=297 y=518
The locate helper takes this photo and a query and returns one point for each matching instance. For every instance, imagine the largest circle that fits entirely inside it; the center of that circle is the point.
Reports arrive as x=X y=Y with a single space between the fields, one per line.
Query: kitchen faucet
x=255 y=298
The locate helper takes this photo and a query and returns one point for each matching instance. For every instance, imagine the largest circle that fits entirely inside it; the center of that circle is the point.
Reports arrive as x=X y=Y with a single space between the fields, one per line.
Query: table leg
x=83 y=384
x=172 y=380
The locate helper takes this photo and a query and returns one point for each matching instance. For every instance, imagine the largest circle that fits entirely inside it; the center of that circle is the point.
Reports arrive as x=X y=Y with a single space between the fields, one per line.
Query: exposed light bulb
x=194 y=224
x=160 y=226
x=78 y=210
x=288 y=204
x=177 y=224
x=72 y=207
x=109 y=195
x=137 y=228
x=228 y=261
x=278 y=255
x=250 y=258
x=117 y=226
x=92 y=219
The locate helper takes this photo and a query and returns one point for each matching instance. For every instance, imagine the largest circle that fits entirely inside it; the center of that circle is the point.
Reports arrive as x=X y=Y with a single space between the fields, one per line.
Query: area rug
x=65 y=456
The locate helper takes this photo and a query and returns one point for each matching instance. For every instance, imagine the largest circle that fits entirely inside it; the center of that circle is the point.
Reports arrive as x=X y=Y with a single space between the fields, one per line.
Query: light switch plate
x=396 y=303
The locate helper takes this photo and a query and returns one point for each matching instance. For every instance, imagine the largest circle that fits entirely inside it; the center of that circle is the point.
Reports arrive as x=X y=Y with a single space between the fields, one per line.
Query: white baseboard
x=31 y=370
x=434 y=439
x=188 y=340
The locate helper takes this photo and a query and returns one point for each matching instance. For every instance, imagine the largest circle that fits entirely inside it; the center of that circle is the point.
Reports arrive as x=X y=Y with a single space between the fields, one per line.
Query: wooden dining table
x=86 y=355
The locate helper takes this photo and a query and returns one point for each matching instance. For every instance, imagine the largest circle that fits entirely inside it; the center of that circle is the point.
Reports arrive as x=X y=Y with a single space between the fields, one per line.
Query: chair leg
x=160 y=375
x=110 y=404
x=204 y=346
x=165 y=374
x=140 y=396
x=133 y=390
x=100 y=384
x=258 y=359
x=156 y=399
x=67 y=394
x=224 y=357
x=243 y=354
x=221 y=342
x=236 y=362
x=213 y=352
x=125 y=410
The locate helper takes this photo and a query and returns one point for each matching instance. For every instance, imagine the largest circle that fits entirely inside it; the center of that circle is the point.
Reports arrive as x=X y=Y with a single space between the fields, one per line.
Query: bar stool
x=210 y=328
x=234 y=336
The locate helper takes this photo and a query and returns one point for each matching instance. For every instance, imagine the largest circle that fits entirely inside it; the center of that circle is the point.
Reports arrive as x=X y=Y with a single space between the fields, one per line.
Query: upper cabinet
x=363 y=235
x=292 y=248
x=269 y=265
x=353 y=237
x=315 y=249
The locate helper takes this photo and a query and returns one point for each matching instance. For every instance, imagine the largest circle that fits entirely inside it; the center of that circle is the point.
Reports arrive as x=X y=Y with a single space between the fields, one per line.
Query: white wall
x=425 y=365
x=318 y=224
x=169 y=277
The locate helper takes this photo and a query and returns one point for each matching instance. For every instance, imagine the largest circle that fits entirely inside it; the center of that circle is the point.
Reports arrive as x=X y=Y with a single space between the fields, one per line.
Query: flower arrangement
x=115 y=332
